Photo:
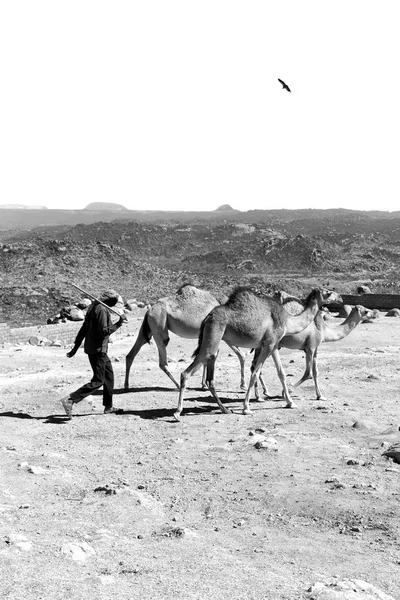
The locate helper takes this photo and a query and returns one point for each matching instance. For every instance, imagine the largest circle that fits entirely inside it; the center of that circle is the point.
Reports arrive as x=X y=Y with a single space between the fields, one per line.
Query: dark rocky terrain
x=152 y=255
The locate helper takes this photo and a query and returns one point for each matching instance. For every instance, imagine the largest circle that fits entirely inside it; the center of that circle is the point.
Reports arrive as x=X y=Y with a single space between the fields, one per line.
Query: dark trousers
x=103 y=375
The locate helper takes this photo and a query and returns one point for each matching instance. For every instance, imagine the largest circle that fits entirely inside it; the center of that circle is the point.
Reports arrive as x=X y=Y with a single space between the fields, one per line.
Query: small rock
x=78 y=551
x=353 y=461
x=19 y=542
x=35 y=470
x=267 y=444
x=393 y=452
x=108 y=489
x=347 y=589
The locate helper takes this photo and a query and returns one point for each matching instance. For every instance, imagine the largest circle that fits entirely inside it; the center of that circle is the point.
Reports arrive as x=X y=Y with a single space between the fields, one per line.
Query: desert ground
x=136 y=505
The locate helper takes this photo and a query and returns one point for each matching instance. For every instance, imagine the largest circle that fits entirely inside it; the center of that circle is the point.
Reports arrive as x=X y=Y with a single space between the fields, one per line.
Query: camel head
x=330 y=297
x=362 y=312
x=323 y=296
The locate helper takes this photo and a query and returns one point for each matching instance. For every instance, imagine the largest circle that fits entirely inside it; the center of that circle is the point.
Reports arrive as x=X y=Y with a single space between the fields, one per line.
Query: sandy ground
x=137 y=505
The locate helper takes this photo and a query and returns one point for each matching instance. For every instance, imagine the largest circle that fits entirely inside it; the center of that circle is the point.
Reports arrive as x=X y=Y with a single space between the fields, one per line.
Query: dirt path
x=139 y=506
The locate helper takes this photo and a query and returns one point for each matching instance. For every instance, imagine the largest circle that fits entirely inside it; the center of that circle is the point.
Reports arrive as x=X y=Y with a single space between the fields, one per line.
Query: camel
x=182 y=313
x=312 y=337
x=251 y=321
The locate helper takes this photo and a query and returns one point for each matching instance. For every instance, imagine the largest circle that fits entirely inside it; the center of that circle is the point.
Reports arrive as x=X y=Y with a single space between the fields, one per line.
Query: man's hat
x=109 y=295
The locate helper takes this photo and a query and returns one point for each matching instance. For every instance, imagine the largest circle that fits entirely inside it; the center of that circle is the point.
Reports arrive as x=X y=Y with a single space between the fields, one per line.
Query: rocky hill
x=108 y=206
x=147 y=259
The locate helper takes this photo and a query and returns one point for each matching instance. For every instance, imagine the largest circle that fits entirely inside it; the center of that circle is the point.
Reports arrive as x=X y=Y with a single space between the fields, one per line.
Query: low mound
x=110 y=206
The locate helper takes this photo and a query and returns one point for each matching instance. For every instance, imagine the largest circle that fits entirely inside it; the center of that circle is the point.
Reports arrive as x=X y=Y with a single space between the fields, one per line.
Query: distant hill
x=107 y=206
x=225 y=208
x=21 y=207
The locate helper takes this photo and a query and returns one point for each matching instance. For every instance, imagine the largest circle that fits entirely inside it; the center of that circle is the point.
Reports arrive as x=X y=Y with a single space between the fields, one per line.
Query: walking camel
x=310 y=339
x=251 y=321
x=181 y=313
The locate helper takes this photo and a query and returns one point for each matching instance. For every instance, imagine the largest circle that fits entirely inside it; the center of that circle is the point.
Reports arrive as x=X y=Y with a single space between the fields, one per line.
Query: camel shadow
x=138 y=390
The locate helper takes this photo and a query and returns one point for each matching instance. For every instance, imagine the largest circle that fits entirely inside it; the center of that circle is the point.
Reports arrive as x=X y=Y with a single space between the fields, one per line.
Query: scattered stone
x=18 y=542
x=84 y=303
x=337 y=485
x=267 y=444
x=76 y=314
x=365 y=425
x=108 y=489
x=78 y=551
x=255 y=437
x=373 y=377
x=32 y=468
x=393 y=452
x=172 y=532
x=39 y=341
x=57 y=343
x=353 y=461
x=347 y=589
x=24 y=506
x=35 y=470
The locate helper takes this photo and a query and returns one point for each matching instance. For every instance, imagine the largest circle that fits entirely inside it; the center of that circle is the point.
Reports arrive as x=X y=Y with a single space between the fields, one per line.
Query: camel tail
x=146 y=331
x=200 y=340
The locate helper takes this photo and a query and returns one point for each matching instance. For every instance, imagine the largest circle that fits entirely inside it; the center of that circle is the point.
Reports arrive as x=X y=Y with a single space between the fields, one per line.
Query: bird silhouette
x=284 y=86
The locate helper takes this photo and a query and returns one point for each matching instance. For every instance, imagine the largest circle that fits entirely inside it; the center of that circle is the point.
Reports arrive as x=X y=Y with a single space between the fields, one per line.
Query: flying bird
x=284 y=86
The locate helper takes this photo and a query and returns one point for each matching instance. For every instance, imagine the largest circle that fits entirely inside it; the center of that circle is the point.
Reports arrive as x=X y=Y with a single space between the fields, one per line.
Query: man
x=96 y=331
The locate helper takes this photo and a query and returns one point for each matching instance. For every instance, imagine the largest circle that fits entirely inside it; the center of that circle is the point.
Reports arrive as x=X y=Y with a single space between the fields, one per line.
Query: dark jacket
x=96 y=329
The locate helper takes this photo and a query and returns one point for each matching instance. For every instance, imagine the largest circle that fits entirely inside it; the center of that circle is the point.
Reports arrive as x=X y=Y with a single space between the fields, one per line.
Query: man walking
x=96 y=330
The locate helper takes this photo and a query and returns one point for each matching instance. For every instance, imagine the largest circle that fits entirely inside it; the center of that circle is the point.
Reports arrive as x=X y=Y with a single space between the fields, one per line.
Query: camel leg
x=315 y=375
x=241 y=358
x=259 y=382
x=141 y=340
x=191 y=370
x=162 y=342
x=207 y=351
x=210 y=383
x=281 y=374
x=260 y=356
x=204 y=378
x=307 y=372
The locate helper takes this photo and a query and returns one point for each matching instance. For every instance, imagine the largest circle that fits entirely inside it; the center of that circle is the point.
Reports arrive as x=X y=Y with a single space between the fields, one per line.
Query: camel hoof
x=227 y=411
x=291 y=405
x=246 y=411
x=177 y=416
x=243 y=387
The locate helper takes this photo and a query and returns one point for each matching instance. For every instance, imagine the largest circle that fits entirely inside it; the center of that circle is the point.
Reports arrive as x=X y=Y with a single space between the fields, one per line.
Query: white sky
x=167 y=104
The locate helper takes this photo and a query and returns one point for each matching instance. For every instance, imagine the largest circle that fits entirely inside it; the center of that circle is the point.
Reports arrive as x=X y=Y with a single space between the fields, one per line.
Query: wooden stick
x=96 y=299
